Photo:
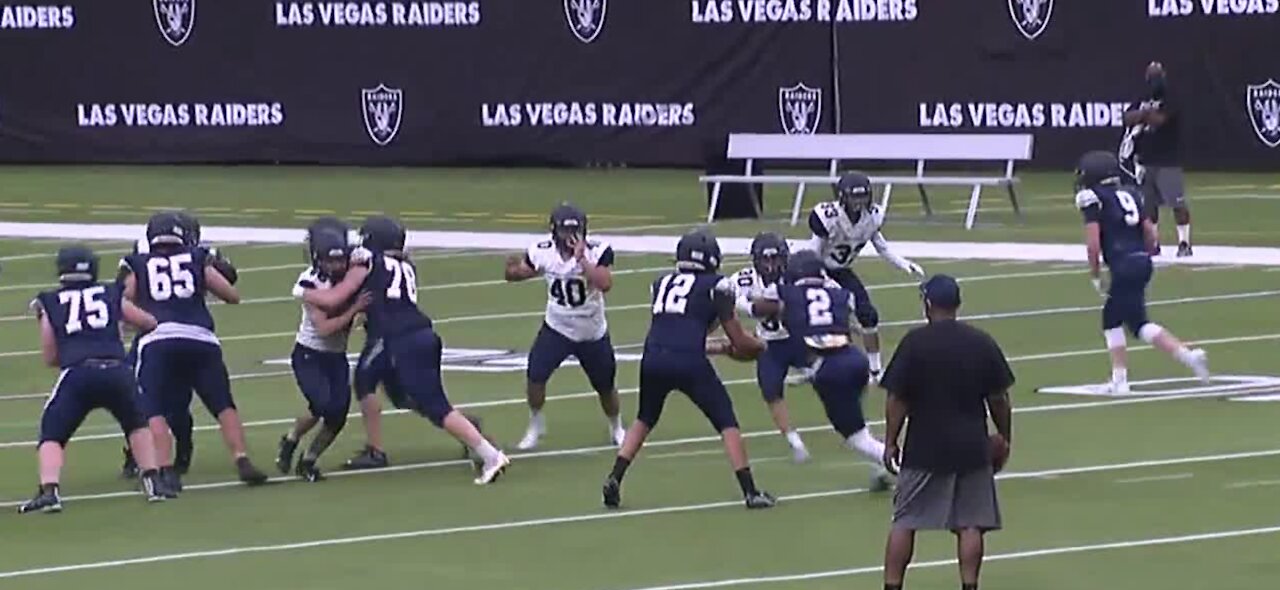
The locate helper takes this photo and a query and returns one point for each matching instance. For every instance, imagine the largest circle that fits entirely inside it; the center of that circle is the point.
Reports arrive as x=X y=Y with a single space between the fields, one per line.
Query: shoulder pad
x=544 y=244
x=36 y=308
x=1086 y=198
x=724 y=285
x=141 y=246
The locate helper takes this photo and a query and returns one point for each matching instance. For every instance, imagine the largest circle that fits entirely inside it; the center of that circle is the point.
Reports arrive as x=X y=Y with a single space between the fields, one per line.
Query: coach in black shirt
x=1153 y=146
x=944 y=379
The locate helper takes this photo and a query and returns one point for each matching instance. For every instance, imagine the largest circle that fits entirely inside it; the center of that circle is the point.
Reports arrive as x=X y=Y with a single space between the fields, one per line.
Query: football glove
x=915 y=269
x=223 y=265
x=1099 y=286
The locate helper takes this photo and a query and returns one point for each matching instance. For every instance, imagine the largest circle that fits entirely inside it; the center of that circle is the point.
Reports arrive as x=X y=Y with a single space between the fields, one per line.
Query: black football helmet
x=325 y=225
x=769 y=253
x=805 y=264
x=567 y=222
x=166 y=227
x=1096 y=167
x=191 y=225
x=698 y=250
x=77 y=264
x=327 y=244
x=382 y=234
x=853 y=192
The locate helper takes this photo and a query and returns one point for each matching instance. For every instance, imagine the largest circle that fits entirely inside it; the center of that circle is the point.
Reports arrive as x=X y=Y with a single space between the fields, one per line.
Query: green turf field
x=1150 y=492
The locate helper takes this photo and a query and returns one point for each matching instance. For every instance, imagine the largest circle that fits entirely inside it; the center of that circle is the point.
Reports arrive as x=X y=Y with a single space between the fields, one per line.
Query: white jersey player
x=841 y=229
x=769 y=252
x=319 y=356
x=578 y=275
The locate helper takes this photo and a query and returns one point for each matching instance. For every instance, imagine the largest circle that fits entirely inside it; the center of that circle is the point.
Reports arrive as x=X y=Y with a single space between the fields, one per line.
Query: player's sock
x=487 y=452
x=49 y=488
x=1119 y=375
x=863 y=442
x=968 y=587
x=620 y=465
x=893 y=587
x=745 y=481
x=873 y=358
x=536 y=420
x=1184 y=234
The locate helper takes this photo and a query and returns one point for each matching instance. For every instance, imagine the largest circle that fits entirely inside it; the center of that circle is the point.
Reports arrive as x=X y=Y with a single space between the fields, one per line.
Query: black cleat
x=182 y=459
x=760 y=500
x=154 y=489
x=130 y=468
x=46 y=501
x=284 y=458
x=308 y=472
x=368 y=458
x=1184 y=249
x=612 y=492
x=248 y=473
x=171 y=481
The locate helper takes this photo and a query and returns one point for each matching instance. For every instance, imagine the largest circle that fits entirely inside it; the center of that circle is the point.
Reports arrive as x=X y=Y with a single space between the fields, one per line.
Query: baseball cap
x=941 y=291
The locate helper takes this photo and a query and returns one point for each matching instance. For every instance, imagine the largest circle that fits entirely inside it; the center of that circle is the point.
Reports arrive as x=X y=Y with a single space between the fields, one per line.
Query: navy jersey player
x=769 y=252
x=687 y=303
x=182 y=354
x=319 y=357
x=841 y=229
x=79 y=333
x=817 y=314
x=412 y=347
x=1119 y=234
x=578 y=275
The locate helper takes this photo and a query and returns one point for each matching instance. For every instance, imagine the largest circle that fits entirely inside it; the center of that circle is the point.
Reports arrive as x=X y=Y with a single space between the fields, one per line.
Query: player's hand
x=718 y=346
x=1000 y=450
x=579 y=247
x=915 y=269
x=362 y=301
x=892 y=458
x=1100 y=286
x=361 y=256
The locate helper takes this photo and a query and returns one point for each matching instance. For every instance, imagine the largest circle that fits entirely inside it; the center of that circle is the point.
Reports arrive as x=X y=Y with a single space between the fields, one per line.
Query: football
x=999 y=452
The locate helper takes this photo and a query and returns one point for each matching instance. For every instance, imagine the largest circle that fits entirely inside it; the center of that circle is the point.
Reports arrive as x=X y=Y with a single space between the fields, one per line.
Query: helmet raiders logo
x=176 y=19
x=382 y=107
x=586 y=18
x=1263 y=102
x=1031 y=16
x=800 y=108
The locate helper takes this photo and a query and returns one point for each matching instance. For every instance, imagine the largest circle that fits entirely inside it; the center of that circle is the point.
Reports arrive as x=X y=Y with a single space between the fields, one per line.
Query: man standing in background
x=1151 y=150
x=945 y=377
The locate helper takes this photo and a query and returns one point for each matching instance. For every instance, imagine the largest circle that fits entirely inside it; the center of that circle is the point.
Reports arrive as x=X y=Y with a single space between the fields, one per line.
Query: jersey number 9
x=1130 y=205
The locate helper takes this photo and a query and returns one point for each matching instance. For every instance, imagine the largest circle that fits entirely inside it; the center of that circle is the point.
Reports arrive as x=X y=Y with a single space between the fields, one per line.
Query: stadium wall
x=618 y=81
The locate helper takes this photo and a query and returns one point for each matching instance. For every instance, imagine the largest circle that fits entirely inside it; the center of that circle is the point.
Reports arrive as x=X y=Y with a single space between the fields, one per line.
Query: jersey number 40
x=569 y=292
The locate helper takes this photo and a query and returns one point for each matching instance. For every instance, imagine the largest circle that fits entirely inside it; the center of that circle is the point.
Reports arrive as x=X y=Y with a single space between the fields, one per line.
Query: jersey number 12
x=672 y=295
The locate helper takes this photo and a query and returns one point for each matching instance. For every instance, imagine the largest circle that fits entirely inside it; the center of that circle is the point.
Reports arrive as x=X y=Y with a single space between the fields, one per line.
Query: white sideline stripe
x=1170 y=477
x=515 y=242
x=518 y=524
x=872 y=569
x=1252 y=484
x=50 y=255
x=592 y=394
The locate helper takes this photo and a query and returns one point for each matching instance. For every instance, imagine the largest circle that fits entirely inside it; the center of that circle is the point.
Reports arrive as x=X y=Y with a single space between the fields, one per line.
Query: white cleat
x=531 y=437
x=881 y=480
x=800 y=454
x=1198 y=360
x=1118 y=388
x=492 y=471
x=617 y=435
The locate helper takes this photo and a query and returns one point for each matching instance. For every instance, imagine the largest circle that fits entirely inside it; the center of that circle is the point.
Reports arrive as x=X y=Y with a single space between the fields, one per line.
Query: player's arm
x=1150 y=239
x=767 y=304
x=819 y=233
x=895 y=416
x=220 y=286
x=520 y=268
x=327 y=326
x=1091 y=208
x=137 y=317
x=333 y=298
x=48 y=344
x=596 y=272
x=743 y=343
x=219 y=261
x=1134 y=115
x=882 y=248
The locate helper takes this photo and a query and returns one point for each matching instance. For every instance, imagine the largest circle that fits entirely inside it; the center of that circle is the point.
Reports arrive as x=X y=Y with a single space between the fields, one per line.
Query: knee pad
x=1115 y=338
x=1150 y=331
x=868 y=318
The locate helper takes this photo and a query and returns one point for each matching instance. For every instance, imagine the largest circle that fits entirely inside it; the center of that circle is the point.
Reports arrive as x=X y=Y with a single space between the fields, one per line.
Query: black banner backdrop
x=637 y=81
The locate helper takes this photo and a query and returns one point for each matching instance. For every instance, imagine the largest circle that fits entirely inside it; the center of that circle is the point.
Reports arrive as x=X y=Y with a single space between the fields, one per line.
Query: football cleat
x=1198 y=360
x=248 y=473
x=284 y=456
x=307 y=471
x=172 y=481
x=531 y=437
x=799 y=454
x=367 y=458
x=492 y=470
x=612 y=492
x=130 y=468
x=759 y=500
x=881 y=480
x=183 y=452
x=153 y=488
x=1117 y=388
x=48 y=502
x=1184 y=249
x=617 y=435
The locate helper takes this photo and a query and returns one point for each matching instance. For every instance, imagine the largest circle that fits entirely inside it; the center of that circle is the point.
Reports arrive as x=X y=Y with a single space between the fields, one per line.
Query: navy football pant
x=551 y=348
x=84 y=388
x=374 y=368
x=1127 y=296
x=840 y=380
x=415 y=359
x=771 y=368
x=171 y=368
x=864 y=311
x=324 y=378
x=691 y=373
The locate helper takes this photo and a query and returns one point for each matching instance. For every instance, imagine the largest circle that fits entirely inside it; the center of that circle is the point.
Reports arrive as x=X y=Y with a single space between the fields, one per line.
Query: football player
x=412 y=347
x=182 y=354
x=80 y=333
x=577 y=273
x=841 y=228
x=769 y=253
x=319 y=356
x=816 y=313
x=1119 y=234
x=687 y=304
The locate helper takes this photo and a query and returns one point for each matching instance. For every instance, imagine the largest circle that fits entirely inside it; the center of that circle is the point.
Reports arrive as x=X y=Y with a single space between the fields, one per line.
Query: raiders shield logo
x=382 y=107
x=800 y=108
x=1263 y=102
x=586 y=18
x=175 y=18
x=1031 y=16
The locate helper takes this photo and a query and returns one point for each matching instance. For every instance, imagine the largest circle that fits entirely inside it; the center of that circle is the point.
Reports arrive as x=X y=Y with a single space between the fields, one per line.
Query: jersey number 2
x=403 y=279
x=171 y=277
x=672 y=295
x=84 y=306
x=1130 y=205
x=819 y=307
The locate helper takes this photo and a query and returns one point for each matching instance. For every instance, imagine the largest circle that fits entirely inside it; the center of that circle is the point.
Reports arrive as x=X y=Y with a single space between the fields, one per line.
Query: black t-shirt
x=944 y=372
x=1160 y=145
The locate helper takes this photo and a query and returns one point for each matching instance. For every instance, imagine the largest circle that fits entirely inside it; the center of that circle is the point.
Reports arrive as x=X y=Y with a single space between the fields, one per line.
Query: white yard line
x=1252 y=484
x=1170 y=477
x=599 y=516
x=873 y=569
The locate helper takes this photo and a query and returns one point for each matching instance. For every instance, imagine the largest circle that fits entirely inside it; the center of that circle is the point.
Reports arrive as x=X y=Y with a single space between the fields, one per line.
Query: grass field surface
x=1149 y=491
